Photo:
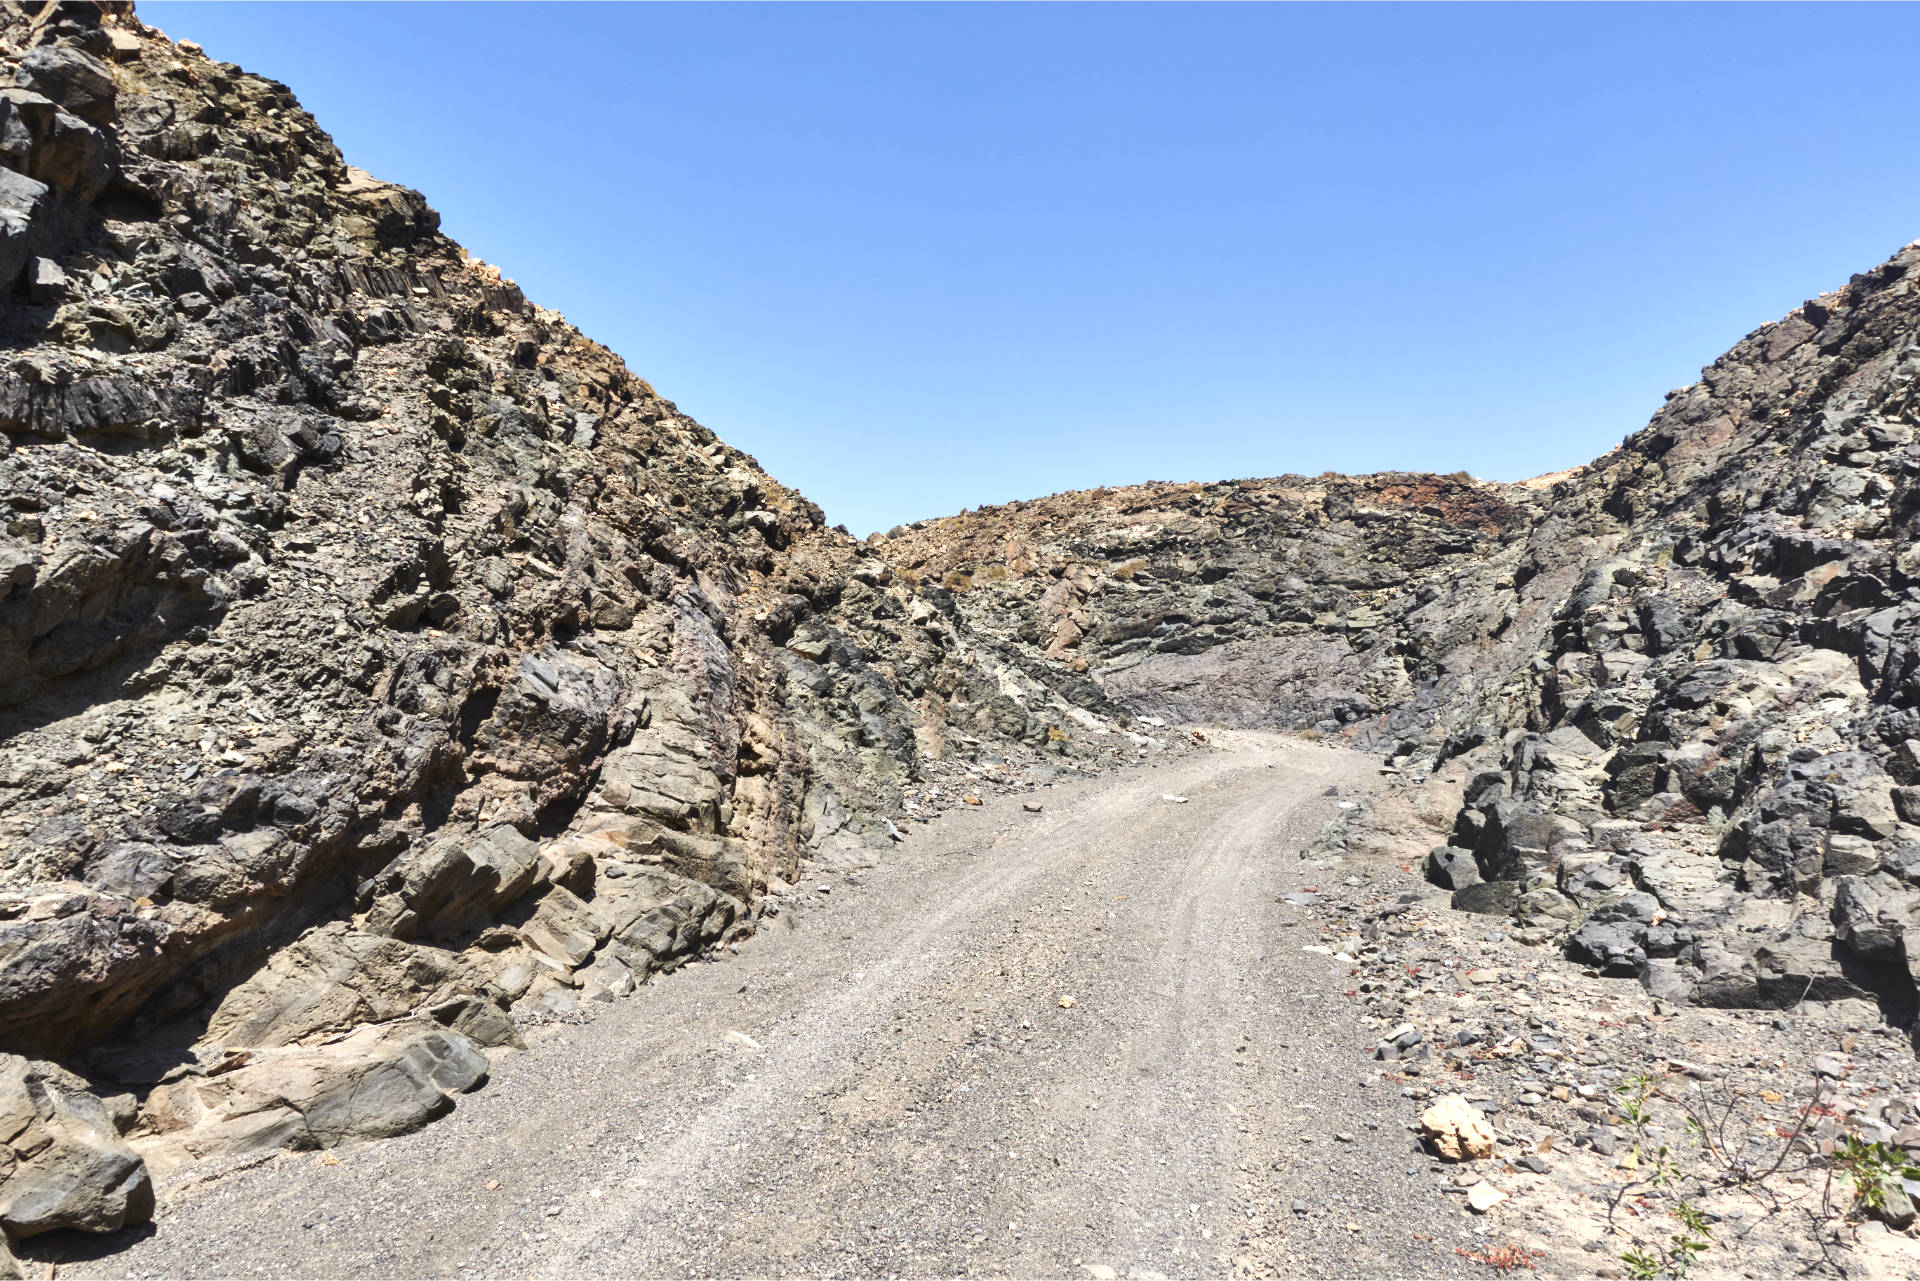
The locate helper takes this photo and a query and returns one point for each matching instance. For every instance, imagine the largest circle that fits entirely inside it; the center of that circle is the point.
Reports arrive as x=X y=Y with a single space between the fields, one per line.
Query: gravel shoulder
x=1027 y=1044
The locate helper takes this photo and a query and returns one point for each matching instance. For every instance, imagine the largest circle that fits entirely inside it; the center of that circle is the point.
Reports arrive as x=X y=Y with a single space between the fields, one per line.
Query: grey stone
x=22 y=201
x=480 y=1020
x=73 y=1170
x=77 y=81
x=1490 y=898
x=46 y=283
x=399 y=1094
x=1452 y=868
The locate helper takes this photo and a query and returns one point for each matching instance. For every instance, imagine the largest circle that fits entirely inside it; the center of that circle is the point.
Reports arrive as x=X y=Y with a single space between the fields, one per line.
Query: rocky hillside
x=377 y=654
x=1692 y=668
x=1369 y=606
x=1710 y=785
x=383 y=666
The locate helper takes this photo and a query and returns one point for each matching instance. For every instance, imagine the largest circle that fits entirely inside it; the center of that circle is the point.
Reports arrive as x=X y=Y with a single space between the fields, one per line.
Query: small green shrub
x=1682 y=1250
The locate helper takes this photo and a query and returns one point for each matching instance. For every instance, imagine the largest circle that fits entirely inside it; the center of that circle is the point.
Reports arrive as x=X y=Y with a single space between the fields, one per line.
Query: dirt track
x=1029 y=1044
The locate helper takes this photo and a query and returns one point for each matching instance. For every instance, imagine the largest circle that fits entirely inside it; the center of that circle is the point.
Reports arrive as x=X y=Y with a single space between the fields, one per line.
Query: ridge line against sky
x=923 y=258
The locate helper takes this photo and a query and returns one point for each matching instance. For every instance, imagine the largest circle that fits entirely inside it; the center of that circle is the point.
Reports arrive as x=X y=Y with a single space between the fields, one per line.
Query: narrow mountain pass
x=1027 y=1044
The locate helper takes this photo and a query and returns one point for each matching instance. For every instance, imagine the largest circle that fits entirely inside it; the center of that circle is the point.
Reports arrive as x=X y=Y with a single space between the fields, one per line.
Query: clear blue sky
x=918 y=258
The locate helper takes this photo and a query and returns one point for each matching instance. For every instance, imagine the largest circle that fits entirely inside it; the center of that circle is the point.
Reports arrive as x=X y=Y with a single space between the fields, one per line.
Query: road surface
x=1035 y=1045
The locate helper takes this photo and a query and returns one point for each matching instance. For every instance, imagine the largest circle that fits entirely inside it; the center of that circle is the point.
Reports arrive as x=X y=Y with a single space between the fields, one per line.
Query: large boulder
x=1613 y=936
x=67 y=1166
x=54 y=146
x=399 y=1092
x=77 y=81
x=333 y=978
x=1518 y=836
x=1488 y=898
x=1803 y=963
x=450 y=884
x=1452 y=868
x=21 y=201
x=1871 y=916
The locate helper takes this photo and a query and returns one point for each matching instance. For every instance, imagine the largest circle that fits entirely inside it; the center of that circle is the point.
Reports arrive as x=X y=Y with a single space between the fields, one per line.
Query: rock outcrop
x=383 y=665
x=1707 y=788
x=377 y=654
x=66 y=1163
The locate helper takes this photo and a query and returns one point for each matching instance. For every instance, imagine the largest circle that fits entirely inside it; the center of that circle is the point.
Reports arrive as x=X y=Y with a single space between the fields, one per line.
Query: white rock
x=1482 y=1197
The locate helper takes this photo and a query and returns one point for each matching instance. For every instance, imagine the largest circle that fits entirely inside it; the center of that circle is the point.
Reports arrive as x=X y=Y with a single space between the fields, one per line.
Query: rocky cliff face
x=376 y=652
x=382 y=663
x=1709 y=787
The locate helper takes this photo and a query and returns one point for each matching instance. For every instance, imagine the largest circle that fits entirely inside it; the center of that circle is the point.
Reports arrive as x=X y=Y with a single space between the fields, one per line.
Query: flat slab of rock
x=378 y=1082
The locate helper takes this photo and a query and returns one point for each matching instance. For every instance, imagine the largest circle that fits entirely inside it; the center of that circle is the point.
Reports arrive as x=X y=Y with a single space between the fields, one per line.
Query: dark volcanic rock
x=1363 y=606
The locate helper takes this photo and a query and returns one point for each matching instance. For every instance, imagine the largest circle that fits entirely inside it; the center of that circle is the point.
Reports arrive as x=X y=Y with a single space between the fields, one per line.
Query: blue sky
x=917 y=258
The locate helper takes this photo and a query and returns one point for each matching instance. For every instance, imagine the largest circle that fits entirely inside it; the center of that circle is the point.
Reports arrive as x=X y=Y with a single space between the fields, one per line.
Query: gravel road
x=1040 y=1045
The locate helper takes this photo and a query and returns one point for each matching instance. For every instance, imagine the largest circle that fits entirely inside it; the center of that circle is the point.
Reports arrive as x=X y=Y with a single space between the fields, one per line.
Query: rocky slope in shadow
x=377 y=654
